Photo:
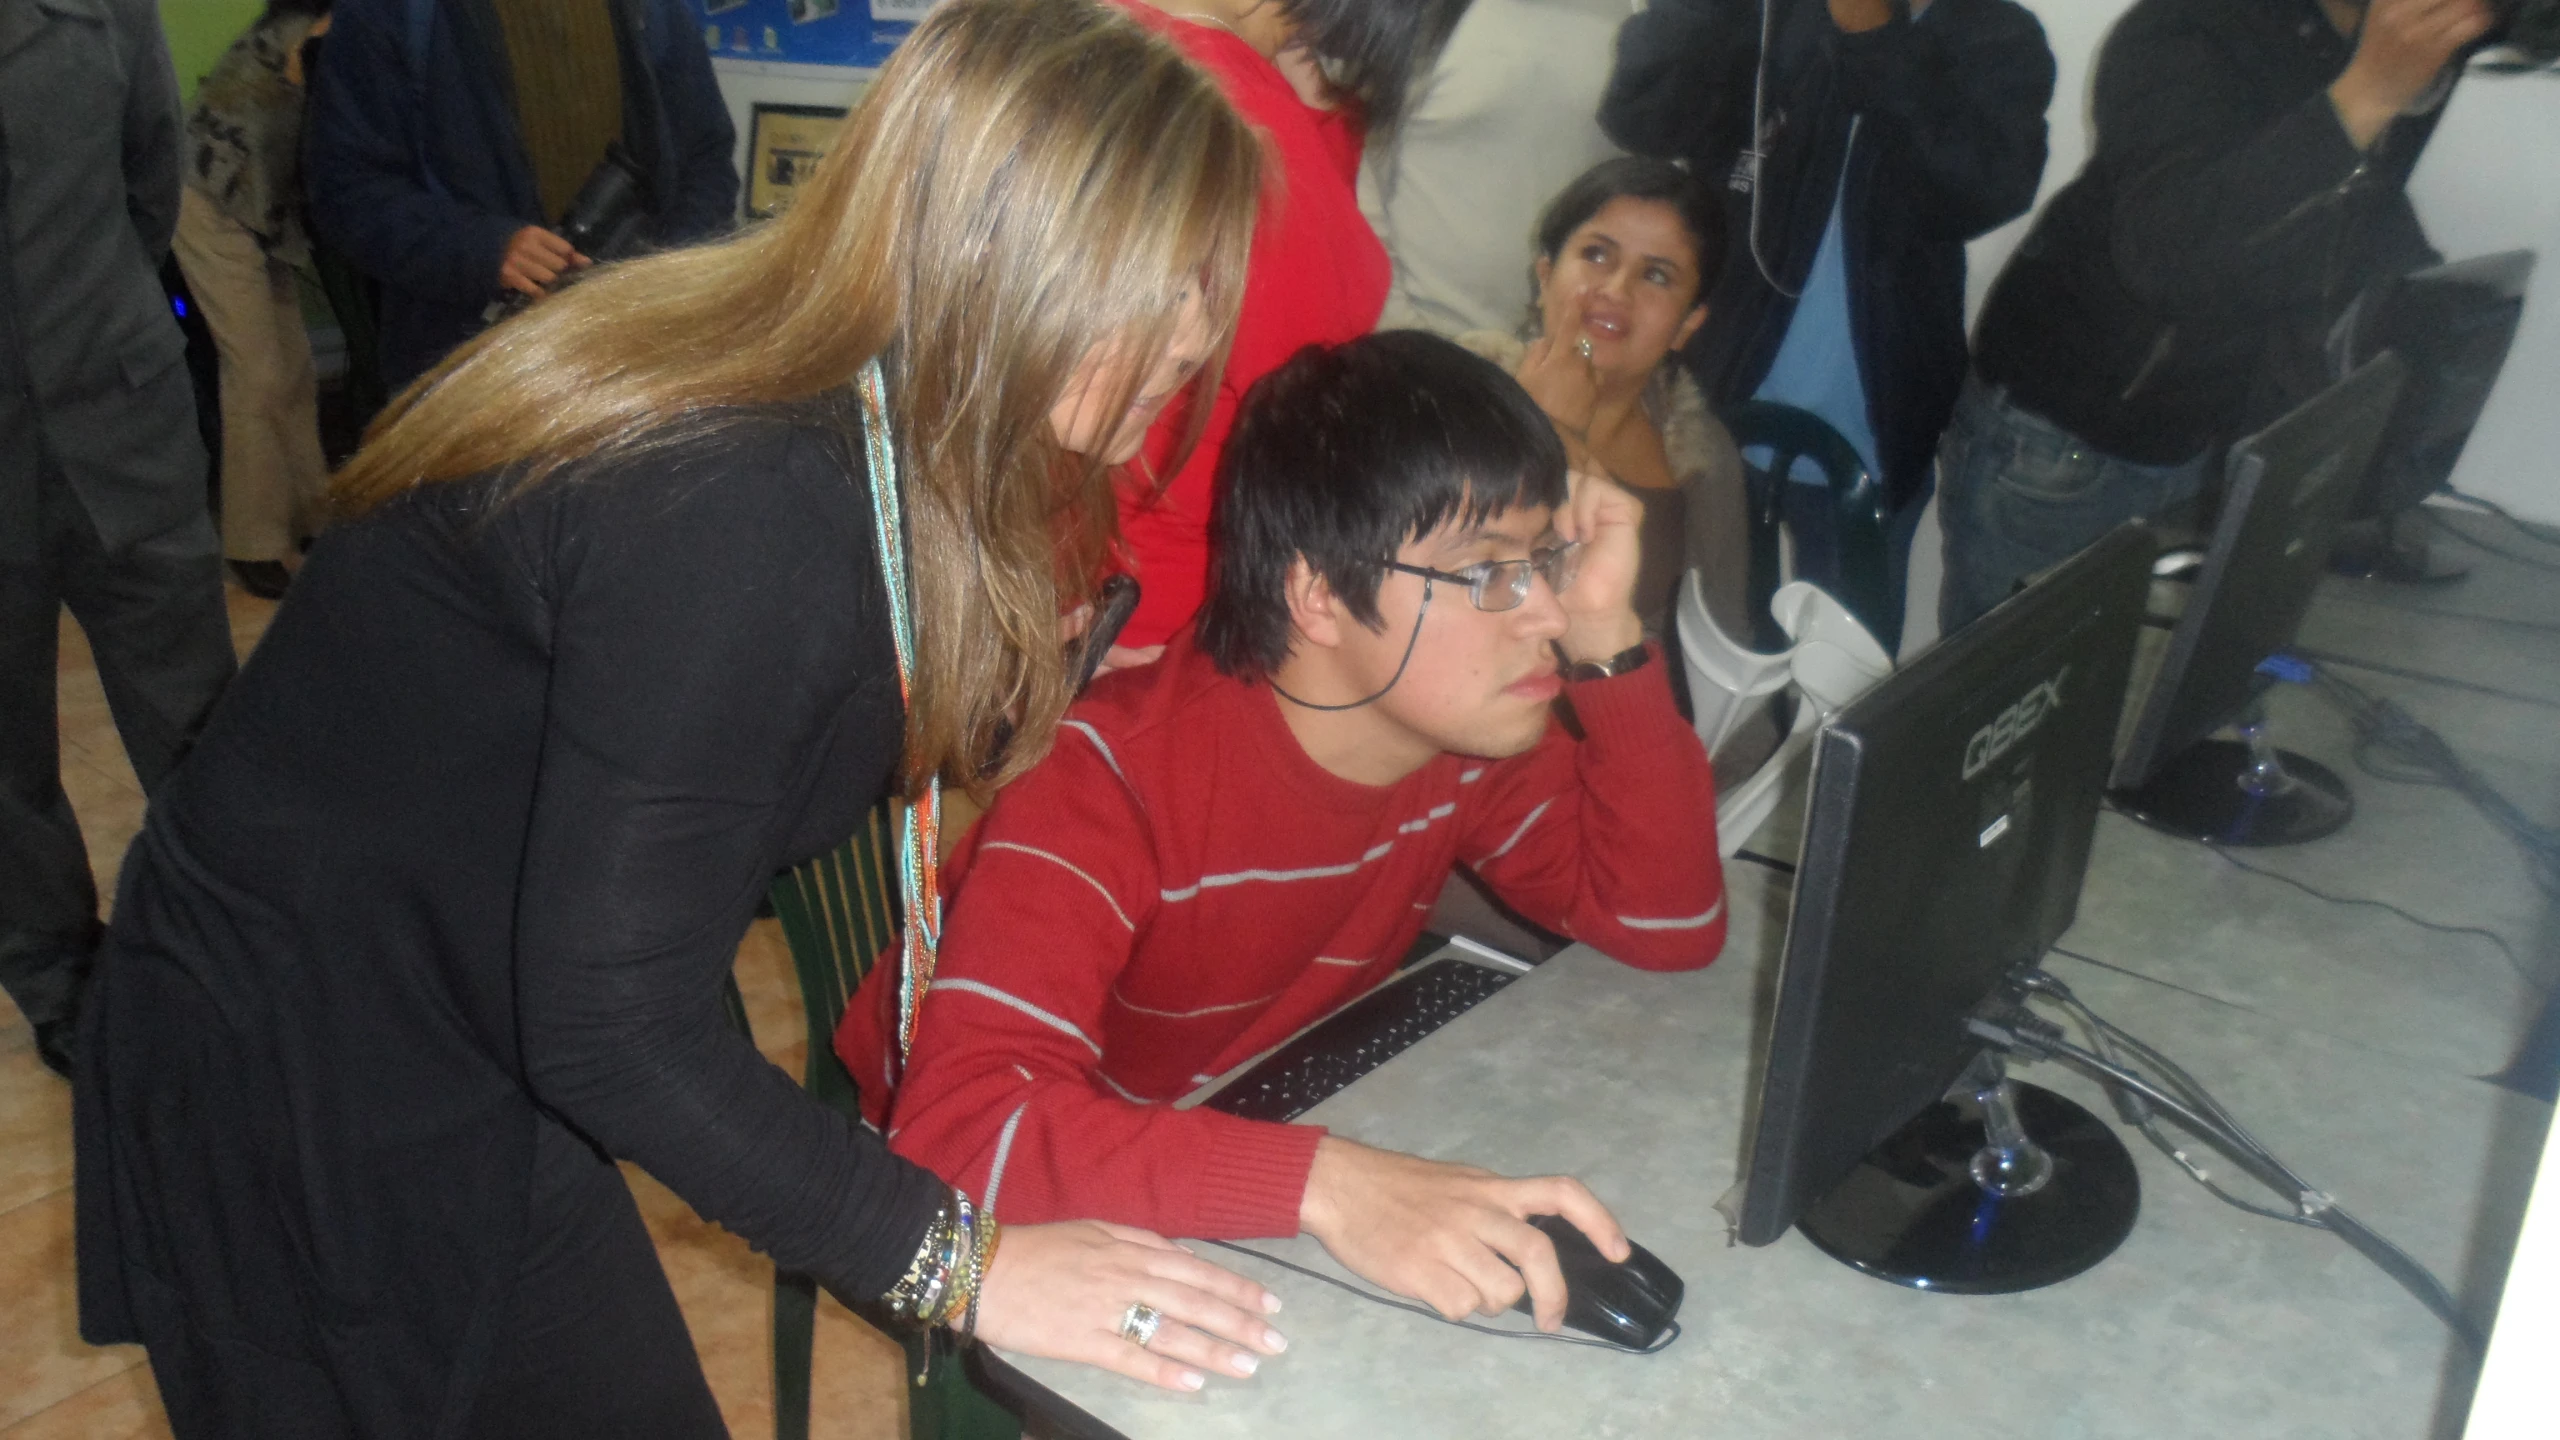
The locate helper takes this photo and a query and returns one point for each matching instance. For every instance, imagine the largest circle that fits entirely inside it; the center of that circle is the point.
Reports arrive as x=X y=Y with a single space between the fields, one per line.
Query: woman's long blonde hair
x=1027 y=183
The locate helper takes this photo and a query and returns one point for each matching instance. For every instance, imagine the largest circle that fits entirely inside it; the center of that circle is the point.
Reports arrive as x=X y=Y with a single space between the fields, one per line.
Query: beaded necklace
x=920 y=828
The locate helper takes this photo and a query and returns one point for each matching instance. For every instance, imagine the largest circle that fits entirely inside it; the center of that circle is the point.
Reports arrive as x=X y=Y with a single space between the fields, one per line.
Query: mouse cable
x=2186 y=1102
x=1657 y=1347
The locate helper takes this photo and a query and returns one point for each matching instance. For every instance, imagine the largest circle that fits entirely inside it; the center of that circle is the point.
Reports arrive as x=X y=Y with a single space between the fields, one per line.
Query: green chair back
x=1858 y=516
x=840 y=914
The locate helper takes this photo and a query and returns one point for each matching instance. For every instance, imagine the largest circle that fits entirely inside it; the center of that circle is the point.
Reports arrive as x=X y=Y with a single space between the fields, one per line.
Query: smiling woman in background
x=431 y=928
x=1625 y=255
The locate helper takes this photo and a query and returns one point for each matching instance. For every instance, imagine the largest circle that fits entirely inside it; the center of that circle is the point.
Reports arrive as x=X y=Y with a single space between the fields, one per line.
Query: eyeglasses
x=1499 y=585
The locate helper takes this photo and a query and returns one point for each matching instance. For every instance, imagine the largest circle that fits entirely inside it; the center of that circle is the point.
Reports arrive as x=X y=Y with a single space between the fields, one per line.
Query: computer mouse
x=1629 y=1305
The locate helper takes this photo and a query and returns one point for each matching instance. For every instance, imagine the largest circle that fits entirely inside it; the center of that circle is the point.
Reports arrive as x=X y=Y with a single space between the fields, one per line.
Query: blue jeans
x=2018 y=494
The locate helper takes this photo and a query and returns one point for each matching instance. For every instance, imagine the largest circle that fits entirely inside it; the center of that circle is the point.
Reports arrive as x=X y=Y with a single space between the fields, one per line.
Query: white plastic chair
x=1832 y=662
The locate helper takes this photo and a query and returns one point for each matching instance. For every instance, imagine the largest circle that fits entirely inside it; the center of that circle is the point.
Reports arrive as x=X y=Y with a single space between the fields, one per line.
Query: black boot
x=55 y=1042
x=266 y=579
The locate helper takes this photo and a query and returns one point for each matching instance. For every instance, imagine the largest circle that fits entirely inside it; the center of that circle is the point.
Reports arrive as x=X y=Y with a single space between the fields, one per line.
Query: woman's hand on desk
x=1061 y=1291
x=1456 y=1238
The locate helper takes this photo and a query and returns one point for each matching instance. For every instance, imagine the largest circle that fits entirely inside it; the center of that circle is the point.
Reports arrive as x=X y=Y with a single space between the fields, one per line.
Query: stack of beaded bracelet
x=941 y=1284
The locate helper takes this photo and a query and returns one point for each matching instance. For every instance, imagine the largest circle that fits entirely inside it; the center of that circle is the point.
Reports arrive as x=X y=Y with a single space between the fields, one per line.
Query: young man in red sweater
x=1231 y=842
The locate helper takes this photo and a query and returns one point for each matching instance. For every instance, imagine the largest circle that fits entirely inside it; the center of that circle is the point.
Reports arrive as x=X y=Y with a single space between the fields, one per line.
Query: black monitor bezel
x=1794 y=1153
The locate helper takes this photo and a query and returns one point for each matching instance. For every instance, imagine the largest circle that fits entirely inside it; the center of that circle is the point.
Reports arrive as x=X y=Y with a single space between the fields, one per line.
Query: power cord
x=2418 y=755
x=1392 y=1303
x=2492 y=507
x=2503 y=553
x=2177 y=1096
x=2130 y=1106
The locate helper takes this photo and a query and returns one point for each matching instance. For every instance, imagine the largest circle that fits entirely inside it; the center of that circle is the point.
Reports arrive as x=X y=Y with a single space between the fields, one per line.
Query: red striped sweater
x=1179 y=887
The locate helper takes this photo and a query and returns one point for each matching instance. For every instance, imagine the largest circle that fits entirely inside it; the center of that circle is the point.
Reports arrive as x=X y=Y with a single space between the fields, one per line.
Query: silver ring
x=1139 y=1323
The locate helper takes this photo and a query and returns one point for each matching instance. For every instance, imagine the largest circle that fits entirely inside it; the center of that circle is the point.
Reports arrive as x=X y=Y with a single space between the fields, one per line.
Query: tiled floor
x=53 y=1387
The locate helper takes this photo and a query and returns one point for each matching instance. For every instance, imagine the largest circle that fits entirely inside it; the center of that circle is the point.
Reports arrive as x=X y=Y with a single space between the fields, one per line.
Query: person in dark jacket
x=102 y=476
x=1889 y=133
x=447 y=136
x=2246 y=182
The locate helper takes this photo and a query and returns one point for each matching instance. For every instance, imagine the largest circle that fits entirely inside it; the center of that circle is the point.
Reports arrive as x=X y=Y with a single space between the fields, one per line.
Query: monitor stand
x=1998 y=1188
x=2242 y=792
x=2391 y=547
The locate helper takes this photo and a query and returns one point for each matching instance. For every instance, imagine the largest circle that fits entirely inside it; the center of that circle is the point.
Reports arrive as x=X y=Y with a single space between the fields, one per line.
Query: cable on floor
x=2502 y=552
x=2536 y=533
x=2410 y=752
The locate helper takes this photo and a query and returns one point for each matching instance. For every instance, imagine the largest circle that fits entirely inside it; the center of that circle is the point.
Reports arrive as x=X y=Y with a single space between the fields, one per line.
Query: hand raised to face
x=1599 y=607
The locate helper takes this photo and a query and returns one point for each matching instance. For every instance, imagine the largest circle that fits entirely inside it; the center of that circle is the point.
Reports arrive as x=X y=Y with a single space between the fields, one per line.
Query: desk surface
x=2206 y=1319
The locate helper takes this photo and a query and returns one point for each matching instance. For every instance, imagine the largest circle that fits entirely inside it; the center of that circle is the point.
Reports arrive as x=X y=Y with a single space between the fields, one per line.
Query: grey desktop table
x=2206 y=1321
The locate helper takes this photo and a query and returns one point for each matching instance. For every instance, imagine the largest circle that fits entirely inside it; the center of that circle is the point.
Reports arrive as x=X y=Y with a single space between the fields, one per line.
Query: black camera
x=603 y=221
x=604 y=218
x=2529 y=27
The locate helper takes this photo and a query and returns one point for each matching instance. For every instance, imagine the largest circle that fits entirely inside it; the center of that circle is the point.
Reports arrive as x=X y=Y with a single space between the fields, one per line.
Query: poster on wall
x=808 y=32
x=784 y=143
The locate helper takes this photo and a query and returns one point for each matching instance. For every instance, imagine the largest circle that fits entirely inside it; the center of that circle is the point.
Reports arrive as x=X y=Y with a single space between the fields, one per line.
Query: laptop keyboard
x=1357 y=1039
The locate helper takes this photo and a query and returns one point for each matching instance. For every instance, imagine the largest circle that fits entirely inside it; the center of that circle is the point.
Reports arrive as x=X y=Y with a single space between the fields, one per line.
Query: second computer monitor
x=2289 y=487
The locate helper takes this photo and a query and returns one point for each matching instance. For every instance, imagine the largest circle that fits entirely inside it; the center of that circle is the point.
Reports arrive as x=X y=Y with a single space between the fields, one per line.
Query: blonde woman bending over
x=431 y=929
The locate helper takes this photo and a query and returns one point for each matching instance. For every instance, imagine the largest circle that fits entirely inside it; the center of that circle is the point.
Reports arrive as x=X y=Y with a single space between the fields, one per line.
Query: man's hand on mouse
x=1454 y=1237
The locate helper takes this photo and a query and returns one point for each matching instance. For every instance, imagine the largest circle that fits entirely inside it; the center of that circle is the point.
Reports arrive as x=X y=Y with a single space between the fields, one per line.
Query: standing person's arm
x=1681 y=87
x=1967 y=89
x=702 y=196
x=153 y=134
x=365 y=195
x=2223 y=210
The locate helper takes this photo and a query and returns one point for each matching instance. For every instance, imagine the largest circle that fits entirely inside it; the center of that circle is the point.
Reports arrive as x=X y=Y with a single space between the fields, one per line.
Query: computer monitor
x=1947 y=831
x=2453 y=325
x=2288 y=488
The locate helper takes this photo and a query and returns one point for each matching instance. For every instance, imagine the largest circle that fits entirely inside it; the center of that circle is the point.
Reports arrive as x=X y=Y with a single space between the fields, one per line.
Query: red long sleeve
x=1318 y=275
x=1178 y=888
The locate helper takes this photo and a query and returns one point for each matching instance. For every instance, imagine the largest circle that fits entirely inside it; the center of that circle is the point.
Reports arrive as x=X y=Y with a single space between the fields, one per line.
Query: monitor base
x=2225 y=792
x=2393 y=548
x=1914 y=1213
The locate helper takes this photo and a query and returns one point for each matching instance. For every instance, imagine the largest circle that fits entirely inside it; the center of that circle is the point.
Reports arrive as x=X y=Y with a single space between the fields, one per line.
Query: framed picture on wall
x=784 y=144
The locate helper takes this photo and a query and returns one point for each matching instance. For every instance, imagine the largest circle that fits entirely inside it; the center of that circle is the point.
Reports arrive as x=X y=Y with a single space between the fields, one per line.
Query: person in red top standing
x=1234 y=841
x=1319 y=274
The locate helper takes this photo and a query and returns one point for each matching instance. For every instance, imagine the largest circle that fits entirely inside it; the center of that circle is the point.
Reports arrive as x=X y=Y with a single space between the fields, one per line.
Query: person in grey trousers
x=102 y=476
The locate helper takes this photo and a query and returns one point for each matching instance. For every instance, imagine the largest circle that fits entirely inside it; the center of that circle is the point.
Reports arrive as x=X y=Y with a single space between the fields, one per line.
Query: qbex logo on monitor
x=2013 y=724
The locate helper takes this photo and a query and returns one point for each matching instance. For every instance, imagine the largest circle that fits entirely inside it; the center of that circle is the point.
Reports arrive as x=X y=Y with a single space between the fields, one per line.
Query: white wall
x=2516 y=1393
x=2490 y=181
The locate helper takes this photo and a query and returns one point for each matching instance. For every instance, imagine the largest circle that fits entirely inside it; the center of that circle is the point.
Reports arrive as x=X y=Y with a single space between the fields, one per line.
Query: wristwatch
x=1625 y=660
